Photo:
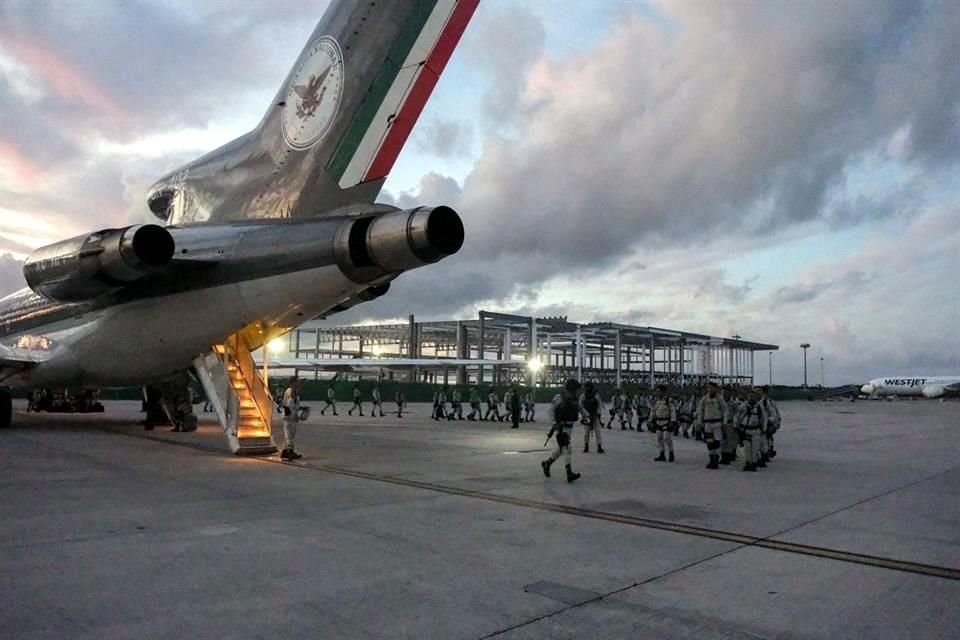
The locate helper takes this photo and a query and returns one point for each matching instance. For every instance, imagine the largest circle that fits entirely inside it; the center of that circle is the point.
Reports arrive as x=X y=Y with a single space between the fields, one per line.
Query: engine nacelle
x=369 y=248
x=933 y=392
x=90 y=265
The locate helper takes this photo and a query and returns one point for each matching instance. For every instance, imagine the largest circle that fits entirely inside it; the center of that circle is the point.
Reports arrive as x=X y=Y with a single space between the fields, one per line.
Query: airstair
x=239 y=396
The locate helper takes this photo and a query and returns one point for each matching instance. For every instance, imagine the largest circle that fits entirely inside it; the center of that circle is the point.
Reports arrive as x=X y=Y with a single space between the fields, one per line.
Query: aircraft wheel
x=6 y=408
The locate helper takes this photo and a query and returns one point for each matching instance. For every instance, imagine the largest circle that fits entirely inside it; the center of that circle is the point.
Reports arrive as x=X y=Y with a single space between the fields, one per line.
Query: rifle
x=553 y=430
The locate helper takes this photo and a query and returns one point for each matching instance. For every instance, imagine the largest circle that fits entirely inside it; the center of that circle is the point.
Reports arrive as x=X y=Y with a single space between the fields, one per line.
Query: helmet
x=572 y=385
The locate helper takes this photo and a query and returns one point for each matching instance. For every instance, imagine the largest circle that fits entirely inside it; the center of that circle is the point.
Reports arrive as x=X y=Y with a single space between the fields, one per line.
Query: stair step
x=257 y=445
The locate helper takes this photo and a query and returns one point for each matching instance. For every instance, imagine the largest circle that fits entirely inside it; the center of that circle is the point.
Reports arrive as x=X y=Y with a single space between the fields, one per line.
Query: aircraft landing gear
x=6 y=408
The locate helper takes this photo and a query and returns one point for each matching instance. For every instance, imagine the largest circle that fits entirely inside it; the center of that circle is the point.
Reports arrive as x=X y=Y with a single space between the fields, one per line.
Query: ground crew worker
x=530 y=408
x=514 y=407
x=773 y=423
x=731 y=437
x=565 y=410
x=357 y=402
x=331 y=401
x=493 y=405
x=377 y=402
x=710 y=413
x=401 y=400
x=456 y=408
x=291 y=416
x=591 y=408
x=752 y=421
x=663 y=420
x=474 y=405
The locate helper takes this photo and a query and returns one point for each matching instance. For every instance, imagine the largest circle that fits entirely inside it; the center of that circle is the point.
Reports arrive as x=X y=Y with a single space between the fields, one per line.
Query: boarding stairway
x=239 y=396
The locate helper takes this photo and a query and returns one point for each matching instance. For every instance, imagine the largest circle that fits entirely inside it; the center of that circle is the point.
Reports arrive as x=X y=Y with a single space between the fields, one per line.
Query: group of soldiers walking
x=516 y=406
x=722 y=420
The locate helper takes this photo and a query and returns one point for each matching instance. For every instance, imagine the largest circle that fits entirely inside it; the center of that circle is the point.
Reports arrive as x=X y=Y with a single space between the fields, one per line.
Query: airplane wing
x=15 y=361
x=351 y=364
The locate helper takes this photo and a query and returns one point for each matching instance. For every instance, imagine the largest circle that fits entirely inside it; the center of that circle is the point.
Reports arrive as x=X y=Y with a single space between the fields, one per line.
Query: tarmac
x=409 y=528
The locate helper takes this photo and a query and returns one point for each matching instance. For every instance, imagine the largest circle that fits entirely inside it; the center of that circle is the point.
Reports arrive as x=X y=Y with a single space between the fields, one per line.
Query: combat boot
x=545 y=464
x=714 y=462
x=599 y=449
x=725 y=458
x=671 y=458
x=293 y=455
x=772 y=454
x=586 y=448
x=571 y=476
x=761 y=464
x=749 y=467
x=285 y=454
x=660 y=458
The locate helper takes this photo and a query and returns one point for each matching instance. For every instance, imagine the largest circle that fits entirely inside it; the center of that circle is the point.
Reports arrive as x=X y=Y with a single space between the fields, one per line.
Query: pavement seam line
x=745 y=540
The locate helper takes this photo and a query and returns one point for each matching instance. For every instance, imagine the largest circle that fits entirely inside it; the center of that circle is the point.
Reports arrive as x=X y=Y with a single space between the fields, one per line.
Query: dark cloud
x=801 y=293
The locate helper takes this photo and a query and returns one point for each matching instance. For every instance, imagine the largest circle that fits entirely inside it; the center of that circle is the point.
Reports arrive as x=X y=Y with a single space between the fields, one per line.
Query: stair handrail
x=262 y=399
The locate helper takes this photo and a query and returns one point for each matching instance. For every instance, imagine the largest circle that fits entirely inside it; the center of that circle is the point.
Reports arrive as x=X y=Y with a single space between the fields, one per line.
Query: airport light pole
x=821 y=373
x=805 y=346
x=770 y=368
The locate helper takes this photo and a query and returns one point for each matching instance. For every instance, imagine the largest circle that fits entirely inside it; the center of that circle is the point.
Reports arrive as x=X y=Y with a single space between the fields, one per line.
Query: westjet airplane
x=270 y=230
x=926 y=386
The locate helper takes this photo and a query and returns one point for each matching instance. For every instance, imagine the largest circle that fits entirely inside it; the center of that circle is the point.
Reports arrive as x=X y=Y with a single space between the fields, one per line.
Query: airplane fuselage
x=916 y=386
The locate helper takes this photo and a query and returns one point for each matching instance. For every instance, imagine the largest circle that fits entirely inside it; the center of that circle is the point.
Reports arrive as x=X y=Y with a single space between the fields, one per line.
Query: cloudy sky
x=785 y=171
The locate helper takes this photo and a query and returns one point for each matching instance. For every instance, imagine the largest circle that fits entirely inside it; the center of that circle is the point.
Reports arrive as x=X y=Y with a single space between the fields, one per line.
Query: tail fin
x=338 y=122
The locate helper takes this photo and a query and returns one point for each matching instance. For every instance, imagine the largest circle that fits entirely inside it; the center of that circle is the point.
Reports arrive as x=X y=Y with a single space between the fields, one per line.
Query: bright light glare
x=276 y=345
x=377 y=350
x=535 y=365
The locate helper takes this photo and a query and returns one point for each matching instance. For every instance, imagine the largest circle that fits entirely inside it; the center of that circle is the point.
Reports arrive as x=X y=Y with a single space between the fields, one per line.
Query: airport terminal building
x=535 y=351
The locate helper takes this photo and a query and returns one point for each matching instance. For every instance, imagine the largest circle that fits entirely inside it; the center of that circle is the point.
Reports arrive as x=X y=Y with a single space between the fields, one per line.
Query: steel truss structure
x=602 y=352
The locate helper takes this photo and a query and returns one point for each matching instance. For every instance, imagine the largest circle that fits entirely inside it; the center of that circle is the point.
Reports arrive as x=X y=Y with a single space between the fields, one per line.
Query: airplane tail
x=337 y=124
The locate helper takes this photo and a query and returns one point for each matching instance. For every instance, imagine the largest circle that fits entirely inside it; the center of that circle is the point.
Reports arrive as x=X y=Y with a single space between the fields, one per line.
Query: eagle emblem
x=311 y=94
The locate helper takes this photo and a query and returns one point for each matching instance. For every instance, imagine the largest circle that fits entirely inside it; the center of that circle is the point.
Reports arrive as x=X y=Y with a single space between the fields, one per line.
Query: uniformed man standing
x=331 y=401
x=686 y=414
x=474 y=405
x=530 y=408
x=731 y=437
x=514 y=407
x=377 y=402
x=767 y=452
x=440 y=403
x=663 y=420
x=643 y=410
x=456 y=405
x=357 y=401
x=710 y=413
x=616 y=408
x=291 y=416
x=752 y=422
x=591 y=407
x=401 y=400
x=566 y=411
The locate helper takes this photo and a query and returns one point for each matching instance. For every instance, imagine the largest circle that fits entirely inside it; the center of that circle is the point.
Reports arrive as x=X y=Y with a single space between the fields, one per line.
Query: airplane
x=272 y=229
x=925 y=386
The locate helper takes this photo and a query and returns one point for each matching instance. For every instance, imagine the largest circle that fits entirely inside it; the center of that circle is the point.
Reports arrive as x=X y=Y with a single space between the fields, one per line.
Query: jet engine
x=90 y=265
x=933 y=391
x=369 y=248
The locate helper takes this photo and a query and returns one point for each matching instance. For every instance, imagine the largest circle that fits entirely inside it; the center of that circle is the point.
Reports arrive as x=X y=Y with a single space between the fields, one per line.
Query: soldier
x=331 y=401
x=513 y=406
x=357 y=401
x=731 y=437
x=440 y=403
x=752 y=422
x=566 y=409
x=685 y=411
x=493 y=405
x=591 y=408
x=529 y=408
x=710 y=413
x=627 y=412
x=291 y=416
x=401 y=400
x=663 y=420
x=643 y=410
x=768 y=453
x=456 y=407
x=474 y=406
x=616 y=407
x=377 y=402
